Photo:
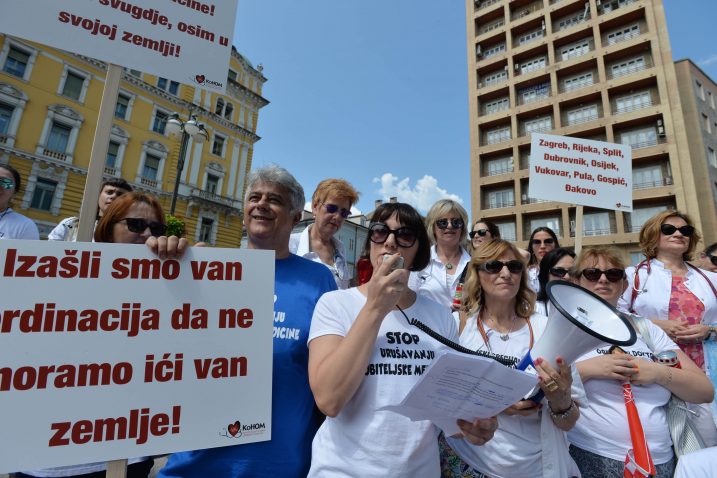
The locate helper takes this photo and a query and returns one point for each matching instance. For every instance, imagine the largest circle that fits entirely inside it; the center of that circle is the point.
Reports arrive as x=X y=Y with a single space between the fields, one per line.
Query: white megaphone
x=579 y=321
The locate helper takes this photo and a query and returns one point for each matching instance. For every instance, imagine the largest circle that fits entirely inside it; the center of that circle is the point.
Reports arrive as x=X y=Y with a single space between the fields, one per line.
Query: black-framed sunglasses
x=669 y=229
x=558 y=271
x=495 y=266
x=139 y=225
x=7 y=183
x=593 y=274
x=478 y=232
x=333 y=209
x=456 y=223
x=548 y=242
x=404 y=236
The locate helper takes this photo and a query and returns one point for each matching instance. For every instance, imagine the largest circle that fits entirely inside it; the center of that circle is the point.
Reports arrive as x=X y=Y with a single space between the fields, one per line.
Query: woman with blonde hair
x=446 y=226
x=498 y=318
x=678 y=297
x=601 y=438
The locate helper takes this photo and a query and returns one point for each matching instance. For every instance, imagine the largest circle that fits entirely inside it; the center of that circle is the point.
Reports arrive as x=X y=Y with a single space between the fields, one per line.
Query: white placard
x=100 y=364
x=581 y=171
x=184 y=40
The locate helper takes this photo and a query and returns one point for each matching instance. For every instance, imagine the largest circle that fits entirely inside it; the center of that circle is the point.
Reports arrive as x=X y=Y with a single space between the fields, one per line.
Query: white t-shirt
x=435 y=282
x=362 y=440
x=602 y=428
x=522 y=446
x=698 y=464
x=14 y=225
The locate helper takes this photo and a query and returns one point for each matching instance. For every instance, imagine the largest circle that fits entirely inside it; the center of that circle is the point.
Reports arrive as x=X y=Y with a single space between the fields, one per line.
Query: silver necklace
x=506 y=336
x=450 y=266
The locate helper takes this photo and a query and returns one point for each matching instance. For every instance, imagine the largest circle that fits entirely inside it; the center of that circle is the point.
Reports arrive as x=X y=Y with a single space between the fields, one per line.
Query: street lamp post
x=190 y=128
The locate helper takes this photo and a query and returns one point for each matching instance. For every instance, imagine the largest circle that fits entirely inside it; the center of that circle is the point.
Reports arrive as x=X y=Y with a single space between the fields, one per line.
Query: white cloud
x=708 y=61
x=421 y=196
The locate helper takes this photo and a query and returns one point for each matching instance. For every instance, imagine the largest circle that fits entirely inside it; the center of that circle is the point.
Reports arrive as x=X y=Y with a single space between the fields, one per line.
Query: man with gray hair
x=273 y=205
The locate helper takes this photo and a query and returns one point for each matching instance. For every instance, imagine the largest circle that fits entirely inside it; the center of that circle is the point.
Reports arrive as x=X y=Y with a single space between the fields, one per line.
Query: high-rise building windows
x=579 y=81
x=498 y=135
x=647 y=177
x=639 y=138
x=712 y=157
x=151 y=167
x=500 y=198
x=495 y=106
x=628 y=66
x=633 y=101
x=574 y=50
x=623 y=34
x=582 y=114
x=43 y=194
x=530 y=37
x=16 y=62
x=499 y=166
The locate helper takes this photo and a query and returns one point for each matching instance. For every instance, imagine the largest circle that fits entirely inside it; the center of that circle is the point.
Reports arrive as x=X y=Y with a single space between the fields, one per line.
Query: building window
x=534 y=93
x=647 y=177
x=538 y=125
x=628 y=66
x=623 y=34
x=712 y=157
x=495 y=106
x=43 y=194
x=494 y=50
x=168 y=85
x=159 y=122
x=499 y=166
x=582 y=114
x=151 y=167
x=700 y=90
x=551 y=222
x=58 y=138
x=212 y=184
x=575 y=49
x=218 y=145
x=74 y=84
x=228 y=110
x=596 y=224
x=16 y=62
x=507 y=230
x=122 y=106
x=5 y=117
x=112 y=153
x=633 y=101
x=530 y=37
x=232 y=75
x=706 y=124
x=498 y=135
x=532 y=65
x=639 y=138
x=501 y=198
x=579 y=81
x=712 y=99
x=219 y=108
x=495 y=78
x=571 y=21
x=205 y=230
x=638 y=216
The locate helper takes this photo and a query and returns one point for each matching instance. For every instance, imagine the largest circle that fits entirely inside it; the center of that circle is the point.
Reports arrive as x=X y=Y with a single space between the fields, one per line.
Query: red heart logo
x=199 y=78
x=233 y=428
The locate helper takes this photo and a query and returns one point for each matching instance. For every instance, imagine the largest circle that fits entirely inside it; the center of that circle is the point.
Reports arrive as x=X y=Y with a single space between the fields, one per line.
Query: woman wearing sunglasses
x=446 y=226
x=555 y=266
x=601 y=438
x=13 y=225
x=483 y=231
x=679 y=298
x=364 y=355
x=331 y=206
x=498 y=317
x=542 y=240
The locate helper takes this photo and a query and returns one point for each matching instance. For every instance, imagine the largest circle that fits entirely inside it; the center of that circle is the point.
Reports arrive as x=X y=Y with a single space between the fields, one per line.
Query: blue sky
x=375 y=91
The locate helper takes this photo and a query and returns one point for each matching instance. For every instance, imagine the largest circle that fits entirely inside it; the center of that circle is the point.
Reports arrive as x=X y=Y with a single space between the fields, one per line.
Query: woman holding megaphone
x=628 y=390
x=498 y=317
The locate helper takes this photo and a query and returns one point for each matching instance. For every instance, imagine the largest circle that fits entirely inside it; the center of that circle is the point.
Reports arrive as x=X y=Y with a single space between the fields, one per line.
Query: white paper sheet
x=463 y=386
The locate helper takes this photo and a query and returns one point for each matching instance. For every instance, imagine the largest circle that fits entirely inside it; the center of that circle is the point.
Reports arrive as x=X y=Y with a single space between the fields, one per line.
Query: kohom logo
x=202 y=80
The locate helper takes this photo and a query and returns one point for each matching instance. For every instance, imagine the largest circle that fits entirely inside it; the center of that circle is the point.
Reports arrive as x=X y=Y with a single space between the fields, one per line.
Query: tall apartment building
x=49 y=102
x=698 y=95
x=594 y=69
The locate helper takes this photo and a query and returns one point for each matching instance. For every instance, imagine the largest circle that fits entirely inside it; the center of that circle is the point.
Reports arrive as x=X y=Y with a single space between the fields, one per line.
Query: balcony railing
x=527 y=200
x=499 y=171
x=582 y=119
x=595 y=232
x=110 y=171
x=624 y=37
x=490 y=27
x=578 y=85
x=633 y=107
x=525 y=11
x=54 y=154
x=495 y=81
x=481 y=4
x=628 y=70
x=496 y=139
x=212 y=197
x=612 y=5
x=500 y=204
x=524 y=131
x=648 y=143
x=666 y=181
x=152 y=183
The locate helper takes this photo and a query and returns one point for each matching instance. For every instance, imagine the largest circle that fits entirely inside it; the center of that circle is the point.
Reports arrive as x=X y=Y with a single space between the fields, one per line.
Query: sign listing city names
x=581 y=171
x=109 y=352
x=184 y=40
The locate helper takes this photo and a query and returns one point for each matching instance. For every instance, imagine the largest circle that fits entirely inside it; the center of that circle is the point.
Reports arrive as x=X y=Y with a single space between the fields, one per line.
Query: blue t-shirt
x=299 y=283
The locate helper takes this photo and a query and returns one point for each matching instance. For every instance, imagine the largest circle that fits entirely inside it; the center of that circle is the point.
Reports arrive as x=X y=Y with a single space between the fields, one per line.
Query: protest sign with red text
x=581 y=171
x=109 y=352
x=184 y=40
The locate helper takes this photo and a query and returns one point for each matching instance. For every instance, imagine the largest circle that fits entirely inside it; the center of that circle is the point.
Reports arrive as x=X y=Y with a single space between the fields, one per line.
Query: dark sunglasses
x=478 y=232
x=593 y=274
x=495 y=266
x=139 y=225
x=405 y=236
x=549 y=241
x=558 y=271
x=669 y=229
x=7 y=183
x=455 y=223
x=333 y=209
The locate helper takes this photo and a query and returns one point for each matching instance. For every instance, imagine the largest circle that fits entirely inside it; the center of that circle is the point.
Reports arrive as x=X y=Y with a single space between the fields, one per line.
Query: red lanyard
x=481 y=329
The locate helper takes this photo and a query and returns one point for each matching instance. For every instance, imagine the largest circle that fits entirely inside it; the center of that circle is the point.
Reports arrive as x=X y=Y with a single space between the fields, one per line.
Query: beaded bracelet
x=562 y=415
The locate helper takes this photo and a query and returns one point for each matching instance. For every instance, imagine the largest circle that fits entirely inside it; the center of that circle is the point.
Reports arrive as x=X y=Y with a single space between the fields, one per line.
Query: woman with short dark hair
x=555 y=265
x=361 y=348
x=542 y=240
x=13 y=225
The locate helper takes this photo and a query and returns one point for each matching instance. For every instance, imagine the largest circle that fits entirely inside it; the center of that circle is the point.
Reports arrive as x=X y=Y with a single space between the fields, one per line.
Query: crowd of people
x=476 y=290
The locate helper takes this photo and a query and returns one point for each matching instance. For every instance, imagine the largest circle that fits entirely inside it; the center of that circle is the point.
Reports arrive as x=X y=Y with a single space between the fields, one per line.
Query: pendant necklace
x=504 y=337
x=450 y=266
